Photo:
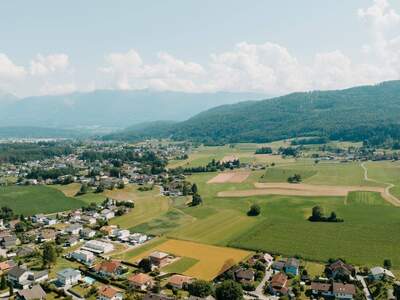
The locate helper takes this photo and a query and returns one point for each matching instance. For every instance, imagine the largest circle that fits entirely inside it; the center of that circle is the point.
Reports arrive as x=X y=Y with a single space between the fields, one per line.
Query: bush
x=255 y=210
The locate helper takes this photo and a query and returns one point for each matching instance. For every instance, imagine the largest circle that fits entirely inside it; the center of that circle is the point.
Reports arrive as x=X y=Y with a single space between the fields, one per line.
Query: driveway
x=365 y=288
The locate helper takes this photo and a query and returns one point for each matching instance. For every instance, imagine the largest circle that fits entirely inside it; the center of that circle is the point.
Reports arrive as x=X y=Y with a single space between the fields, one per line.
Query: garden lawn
x=180 y=266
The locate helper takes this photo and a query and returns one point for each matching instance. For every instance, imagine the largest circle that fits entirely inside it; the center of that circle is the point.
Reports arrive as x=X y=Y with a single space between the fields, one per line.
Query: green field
x=282 y=226
x=29 y=200
x=323 y=173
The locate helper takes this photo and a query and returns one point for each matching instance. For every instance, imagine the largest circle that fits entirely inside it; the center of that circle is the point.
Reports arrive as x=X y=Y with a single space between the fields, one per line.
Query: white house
x=98 y=246
x=39 y=218
x=87 y=233
x=379 y=273
x=73 y=229
x=68 y=277
x=48 y=221
x=123 y=234
x=107 y=214
x=83 y=256
x=137 y=238
x=88 y=220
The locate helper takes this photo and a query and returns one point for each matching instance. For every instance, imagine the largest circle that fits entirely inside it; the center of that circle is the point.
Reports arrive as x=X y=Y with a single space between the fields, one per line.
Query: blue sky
x=49 y=47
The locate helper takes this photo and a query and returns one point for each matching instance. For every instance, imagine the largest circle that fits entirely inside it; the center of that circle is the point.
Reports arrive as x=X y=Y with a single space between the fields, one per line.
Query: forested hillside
x=360 y=113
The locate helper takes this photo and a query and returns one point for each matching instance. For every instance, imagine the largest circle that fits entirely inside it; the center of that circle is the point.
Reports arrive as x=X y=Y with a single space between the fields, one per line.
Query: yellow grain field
x=213 y=260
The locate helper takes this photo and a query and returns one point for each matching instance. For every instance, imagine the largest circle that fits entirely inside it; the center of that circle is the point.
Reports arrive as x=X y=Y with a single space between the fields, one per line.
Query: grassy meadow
x=29 y=200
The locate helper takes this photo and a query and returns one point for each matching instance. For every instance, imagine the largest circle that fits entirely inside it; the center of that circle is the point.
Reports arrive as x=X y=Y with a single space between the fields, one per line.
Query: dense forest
x=367 y=113
x=23 y=152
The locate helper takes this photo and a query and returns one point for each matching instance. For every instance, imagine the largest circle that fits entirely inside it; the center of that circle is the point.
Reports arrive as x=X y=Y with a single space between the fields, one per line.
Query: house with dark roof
x=21 y=277
x=340 y=269
x=18 y=277
x=243 y=275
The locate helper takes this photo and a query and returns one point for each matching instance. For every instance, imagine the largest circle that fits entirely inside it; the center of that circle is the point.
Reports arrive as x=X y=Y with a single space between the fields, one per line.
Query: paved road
x=365 y=288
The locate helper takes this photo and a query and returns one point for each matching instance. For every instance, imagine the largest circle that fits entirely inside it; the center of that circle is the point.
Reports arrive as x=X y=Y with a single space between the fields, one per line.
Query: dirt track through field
x=308 y=190
x=386 y=193
x=230 y=177
x=299 y=190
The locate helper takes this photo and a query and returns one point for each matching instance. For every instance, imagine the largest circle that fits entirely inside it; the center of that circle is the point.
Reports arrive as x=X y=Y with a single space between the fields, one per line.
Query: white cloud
x=10 y=71
x=130 y=72
x=44 y=65
x=379 y=14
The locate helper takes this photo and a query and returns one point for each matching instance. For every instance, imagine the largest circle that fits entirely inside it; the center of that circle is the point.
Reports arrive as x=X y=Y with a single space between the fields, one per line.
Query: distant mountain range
x=109 y=108
x=366 y=112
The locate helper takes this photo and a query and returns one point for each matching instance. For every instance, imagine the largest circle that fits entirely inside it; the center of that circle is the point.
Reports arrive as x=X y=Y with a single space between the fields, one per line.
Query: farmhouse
x=158 y=258
x=141 y=281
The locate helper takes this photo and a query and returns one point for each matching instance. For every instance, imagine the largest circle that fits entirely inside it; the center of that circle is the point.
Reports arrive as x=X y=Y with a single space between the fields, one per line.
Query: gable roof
x=341 y=266
x=36 y=292
x=108 y=266
x=245 y=274
x=17 y=271
x=279 y=279
x=140 y=278
x=179 y=279
x=108 y=291
x=321 y=287
x=344 y=288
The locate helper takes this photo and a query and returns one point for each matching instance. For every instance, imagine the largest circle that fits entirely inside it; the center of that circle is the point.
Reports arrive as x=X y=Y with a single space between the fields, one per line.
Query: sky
x=271 y=47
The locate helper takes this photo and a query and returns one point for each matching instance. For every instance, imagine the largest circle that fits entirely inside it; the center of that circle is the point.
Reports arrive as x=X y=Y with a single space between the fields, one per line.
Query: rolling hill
x=110 y=108
x=366 y=112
